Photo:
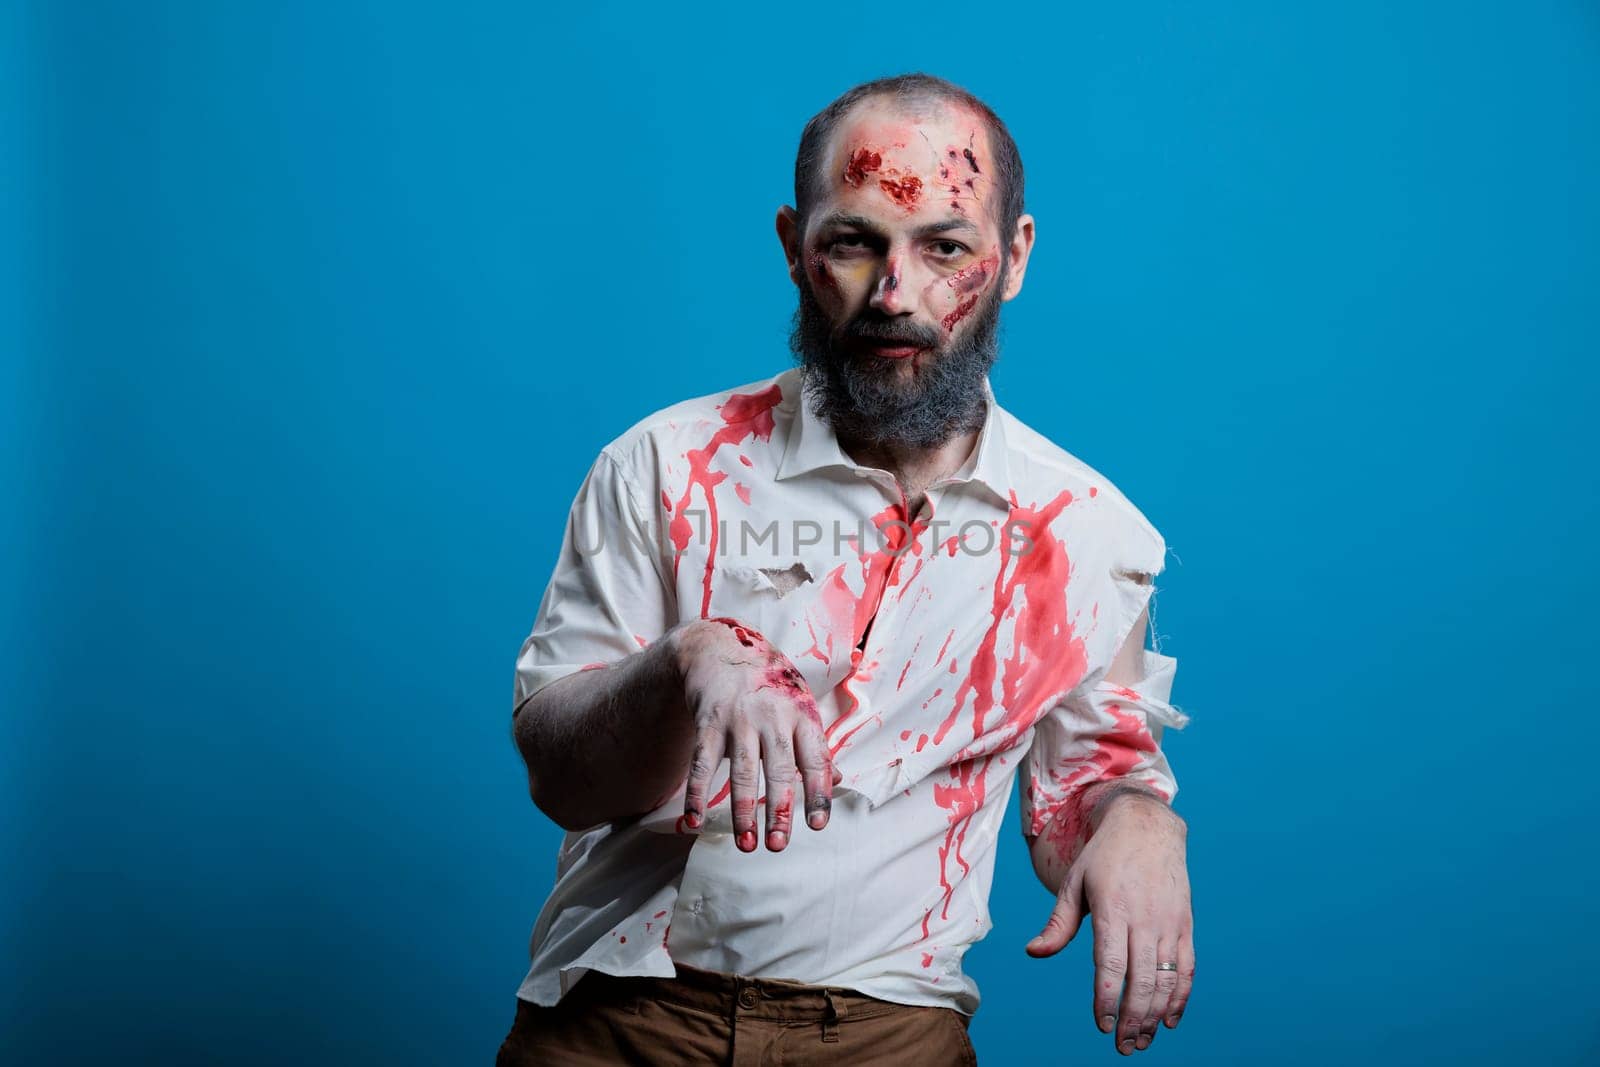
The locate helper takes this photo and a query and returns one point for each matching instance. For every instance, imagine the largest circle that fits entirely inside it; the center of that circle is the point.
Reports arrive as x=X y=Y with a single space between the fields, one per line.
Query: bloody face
x=903 y=275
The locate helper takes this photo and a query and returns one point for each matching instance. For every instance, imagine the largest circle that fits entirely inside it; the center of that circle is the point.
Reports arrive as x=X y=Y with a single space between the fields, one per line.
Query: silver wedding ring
x=1170 y=965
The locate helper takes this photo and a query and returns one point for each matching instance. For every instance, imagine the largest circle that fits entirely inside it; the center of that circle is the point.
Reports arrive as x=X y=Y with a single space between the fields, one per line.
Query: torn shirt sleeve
x=1103 y=730
x=608 y=596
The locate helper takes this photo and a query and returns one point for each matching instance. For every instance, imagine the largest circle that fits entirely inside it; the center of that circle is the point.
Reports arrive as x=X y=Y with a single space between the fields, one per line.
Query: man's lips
x=893 y=349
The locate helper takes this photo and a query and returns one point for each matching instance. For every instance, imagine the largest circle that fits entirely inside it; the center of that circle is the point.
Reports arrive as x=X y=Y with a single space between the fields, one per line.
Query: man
x=862 y=587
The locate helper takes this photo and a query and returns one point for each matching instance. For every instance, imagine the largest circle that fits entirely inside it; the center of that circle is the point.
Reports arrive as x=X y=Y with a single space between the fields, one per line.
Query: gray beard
x=863 y=398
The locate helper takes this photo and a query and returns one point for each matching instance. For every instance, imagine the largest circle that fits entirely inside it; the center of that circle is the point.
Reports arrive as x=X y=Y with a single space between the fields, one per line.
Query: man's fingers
x=1180 y=993
x=1110 y=967
x=742 y=781
x=777 y=765
x=1141 y=987
x=817 y=775
x=1065 y=918
x=1166 y=983
x=707 y=758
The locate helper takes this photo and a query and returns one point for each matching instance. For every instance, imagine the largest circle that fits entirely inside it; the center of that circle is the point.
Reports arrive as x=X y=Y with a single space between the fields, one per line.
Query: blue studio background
x=320 y=312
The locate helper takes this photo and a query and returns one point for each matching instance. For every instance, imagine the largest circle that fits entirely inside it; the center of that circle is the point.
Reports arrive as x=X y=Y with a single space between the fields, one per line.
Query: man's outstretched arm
x=1114 y=847
x=610 y=723
x=608 y=742
x=612 y=741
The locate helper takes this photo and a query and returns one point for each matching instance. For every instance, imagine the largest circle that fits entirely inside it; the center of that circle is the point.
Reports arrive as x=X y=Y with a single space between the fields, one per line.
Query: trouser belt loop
x=836 y=1013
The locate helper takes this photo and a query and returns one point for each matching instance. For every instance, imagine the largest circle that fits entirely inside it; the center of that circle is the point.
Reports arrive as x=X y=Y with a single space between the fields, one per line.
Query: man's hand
x=1132 y=875
x=749 y=703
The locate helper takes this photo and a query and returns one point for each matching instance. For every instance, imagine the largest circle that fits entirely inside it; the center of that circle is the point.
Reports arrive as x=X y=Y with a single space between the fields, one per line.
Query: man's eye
x=949 y=249
x=848 y=240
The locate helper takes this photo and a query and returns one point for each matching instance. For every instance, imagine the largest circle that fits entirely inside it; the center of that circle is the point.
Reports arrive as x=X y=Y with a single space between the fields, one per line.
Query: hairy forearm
x=1075 y=822
x=606 y=743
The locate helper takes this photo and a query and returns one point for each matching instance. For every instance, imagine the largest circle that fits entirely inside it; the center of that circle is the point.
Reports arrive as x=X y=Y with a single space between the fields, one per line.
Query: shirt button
x=747 y=997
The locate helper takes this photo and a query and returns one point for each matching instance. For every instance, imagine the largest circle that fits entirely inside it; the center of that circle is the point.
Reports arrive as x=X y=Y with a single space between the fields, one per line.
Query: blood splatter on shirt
x=952 y=653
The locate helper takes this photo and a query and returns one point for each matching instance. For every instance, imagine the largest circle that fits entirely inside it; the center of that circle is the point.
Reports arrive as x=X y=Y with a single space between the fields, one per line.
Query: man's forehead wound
x=915 y=165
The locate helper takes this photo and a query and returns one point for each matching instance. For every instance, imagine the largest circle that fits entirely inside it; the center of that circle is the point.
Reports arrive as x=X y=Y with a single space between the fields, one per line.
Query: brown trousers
x=706 y=1017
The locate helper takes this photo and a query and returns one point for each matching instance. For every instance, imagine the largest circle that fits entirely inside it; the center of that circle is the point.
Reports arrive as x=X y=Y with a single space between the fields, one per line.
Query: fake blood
x=744 y=415
x=863 y=162
x=903 y=191
x=975 y=277
x=968 y=284
x=1118 y=752
x=778 y=674
x=1047 y=658
x=747 y=636
x=853 y=614
x=1046 y=661
x=962 y=799
x=962 y=310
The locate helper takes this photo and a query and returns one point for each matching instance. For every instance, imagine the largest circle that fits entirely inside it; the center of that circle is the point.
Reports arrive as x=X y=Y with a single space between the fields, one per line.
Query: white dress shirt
x=994 y=615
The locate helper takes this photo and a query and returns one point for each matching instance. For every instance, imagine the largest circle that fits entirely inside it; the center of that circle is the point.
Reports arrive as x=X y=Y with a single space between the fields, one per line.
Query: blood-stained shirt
x=949 y=651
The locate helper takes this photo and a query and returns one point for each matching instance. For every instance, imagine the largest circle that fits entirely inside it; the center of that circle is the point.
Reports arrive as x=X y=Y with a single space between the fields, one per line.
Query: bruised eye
x=948 y=249
x=847 y=242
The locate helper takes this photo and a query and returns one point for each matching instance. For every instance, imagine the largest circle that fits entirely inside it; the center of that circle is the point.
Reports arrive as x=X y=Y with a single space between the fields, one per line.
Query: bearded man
x=861 y=586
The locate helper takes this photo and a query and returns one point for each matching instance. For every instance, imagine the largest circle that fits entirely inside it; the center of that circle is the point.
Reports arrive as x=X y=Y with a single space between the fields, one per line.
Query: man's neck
x=915 y=468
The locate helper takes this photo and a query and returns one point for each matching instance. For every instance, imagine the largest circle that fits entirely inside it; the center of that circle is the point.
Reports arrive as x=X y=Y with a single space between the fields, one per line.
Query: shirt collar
x=812 y=444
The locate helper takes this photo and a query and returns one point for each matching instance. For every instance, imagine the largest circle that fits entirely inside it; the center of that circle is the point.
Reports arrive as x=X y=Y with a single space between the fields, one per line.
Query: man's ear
x=789 y=236
x=1021 y=248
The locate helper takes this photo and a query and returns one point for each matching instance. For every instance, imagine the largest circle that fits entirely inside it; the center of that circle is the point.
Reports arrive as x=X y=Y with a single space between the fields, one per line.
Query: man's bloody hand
x=1132 y=875
x=750 y=704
